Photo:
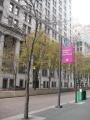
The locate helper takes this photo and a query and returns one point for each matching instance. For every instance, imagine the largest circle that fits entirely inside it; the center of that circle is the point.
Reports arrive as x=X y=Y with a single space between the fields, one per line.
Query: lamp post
x=60 y=64
x=60 y=72
x=75 y=83
x=75 y=74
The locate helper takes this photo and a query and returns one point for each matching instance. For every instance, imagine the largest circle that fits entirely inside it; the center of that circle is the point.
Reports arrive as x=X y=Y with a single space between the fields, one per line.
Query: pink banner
x=67 y=54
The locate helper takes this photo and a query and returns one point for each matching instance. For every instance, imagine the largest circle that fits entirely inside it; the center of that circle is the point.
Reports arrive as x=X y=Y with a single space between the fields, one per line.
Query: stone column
x=1 y=55
x=39 y=78
x=1 y=48
x=88 y=80
x=17 y=51
x=17 y=47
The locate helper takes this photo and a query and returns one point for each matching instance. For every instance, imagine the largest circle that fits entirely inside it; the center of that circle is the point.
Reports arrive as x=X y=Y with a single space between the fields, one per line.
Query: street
x=14 y=106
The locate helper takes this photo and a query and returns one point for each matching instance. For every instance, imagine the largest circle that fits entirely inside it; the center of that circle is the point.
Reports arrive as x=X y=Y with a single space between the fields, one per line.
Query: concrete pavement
x=80 y=111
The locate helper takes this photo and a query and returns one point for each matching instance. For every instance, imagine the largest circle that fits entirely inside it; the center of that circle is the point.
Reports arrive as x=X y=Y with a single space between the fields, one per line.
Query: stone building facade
x=15 y=18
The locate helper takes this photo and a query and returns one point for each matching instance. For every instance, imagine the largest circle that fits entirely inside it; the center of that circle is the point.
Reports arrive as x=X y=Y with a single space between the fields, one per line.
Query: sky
x=81 y=11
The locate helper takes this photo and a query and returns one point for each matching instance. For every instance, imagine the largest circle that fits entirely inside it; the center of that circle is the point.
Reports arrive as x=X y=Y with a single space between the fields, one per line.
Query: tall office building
x=15 y=17
x=81 y=36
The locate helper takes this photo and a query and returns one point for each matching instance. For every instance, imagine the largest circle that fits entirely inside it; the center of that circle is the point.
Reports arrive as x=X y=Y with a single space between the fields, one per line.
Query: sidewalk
x=70 y=111
x=79 y=111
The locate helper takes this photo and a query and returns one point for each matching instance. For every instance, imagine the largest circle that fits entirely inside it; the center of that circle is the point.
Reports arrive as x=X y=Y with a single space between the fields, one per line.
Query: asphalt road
x=14 y=106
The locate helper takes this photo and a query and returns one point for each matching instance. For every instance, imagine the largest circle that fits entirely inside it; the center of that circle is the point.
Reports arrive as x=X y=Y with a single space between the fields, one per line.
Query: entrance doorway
x=11 y=83
x=5 y=83
x=21 y=84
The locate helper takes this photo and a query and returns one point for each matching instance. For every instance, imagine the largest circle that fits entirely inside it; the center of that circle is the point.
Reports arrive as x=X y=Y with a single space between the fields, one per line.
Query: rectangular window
x=80 y=43
x=40 y=6
x=38 y=14
x=52 y=33
x=46 y=2
x=29 y=29
x=53 y=84
x=24 y=27
x=44 y=72
x=53 y=18
x=77 y=48
x=29 y=19
x=45 y=84
x=10 y=20
x=48 y=31
x=25 y=16
x=64 y=1
x=0 y=15
x=45 y=29
x=11 y=83
x=54 y=3
x=21 y=83
x=40 y=26
x=48 y=5
x=52 y=73
x=54 y=10
x=60 y=2
x=11 y=7
x=80 y=48
x=71 y=84
x=1 y=2
x=55 y=36
x=16 y=12
x=17 y=0
x=66 y=84
x=16 y=23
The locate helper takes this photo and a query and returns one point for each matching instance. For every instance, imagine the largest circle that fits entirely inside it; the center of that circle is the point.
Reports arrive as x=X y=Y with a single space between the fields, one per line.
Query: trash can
x=84 y=95
x=78 y=95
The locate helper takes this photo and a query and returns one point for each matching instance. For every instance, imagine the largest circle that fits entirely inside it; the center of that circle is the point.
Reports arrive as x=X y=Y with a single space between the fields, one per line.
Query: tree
x=52 y=58
x=39 y=57
x=40 y=48
x=45 y=54
x=82 y=66
x=31 y=4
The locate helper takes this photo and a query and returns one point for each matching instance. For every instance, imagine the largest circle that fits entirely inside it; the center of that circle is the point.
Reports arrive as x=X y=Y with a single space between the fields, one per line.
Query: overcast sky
x=81 y=11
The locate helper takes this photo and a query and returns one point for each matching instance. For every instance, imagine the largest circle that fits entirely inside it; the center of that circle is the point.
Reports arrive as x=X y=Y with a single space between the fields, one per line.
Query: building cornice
x=9 y=30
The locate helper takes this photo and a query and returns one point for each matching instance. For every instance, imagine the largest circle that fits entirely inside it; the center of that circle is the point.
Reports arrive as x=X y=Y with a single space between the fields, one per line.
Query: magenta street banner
x=67 y=54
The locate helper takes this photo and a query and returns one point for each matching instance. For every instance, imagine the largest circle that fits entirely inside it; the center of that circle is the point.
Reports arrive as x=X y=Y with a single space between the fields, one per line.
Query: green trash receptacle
x=84 y=95
x=78 y=95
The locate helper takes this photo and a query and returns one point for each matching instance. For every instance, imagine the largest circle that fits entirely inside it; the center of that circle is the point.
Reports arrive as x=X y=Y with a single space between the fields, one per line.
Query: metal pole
x=60 y=70
x=75 y=80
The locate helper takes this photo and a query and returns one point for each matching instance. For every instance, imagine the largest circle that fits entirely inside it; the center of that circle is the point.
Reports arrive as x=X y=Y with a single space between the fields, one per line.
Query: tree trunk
x=27 y=99
x=15 y=77
x=26 y=109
